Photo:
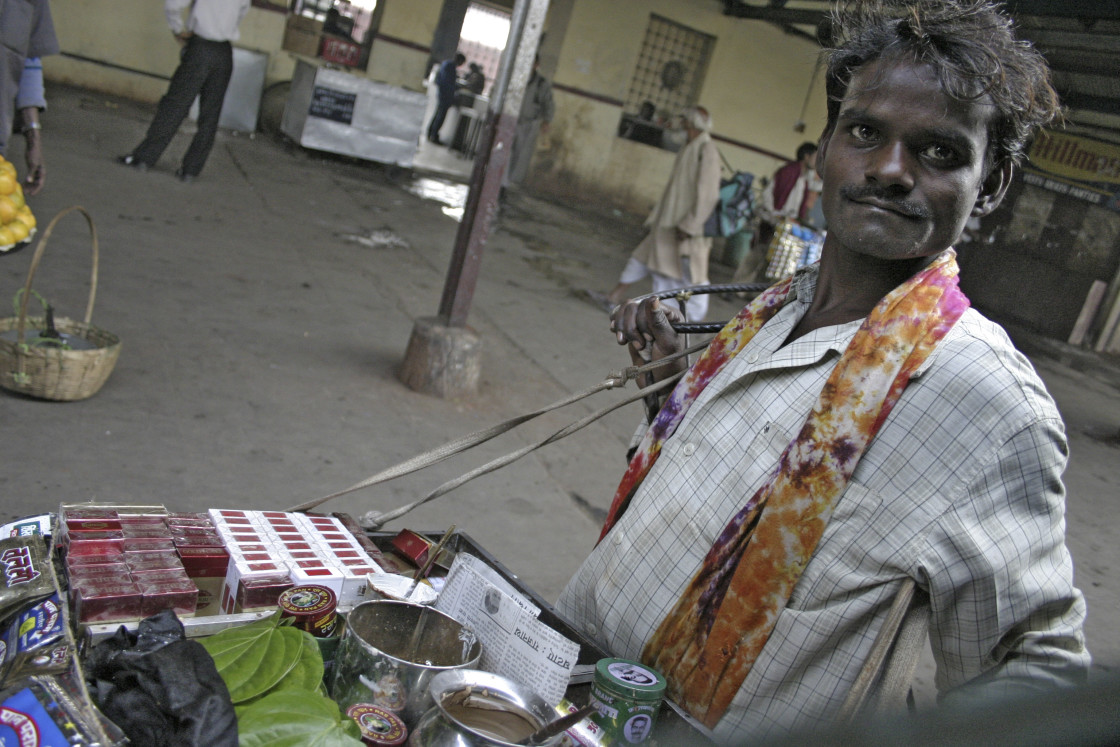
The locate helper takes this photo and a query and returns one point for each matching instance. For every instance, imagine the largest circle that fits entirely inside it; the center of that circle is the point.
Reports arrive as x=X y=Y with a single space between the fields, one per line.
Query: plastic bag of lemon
x=17 y=223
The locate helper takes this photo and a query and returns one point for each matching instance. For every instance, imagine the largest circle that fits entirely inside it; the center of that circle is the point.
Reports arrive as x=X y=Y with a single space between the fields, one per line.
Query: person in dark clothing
x=475 y=80
x=446 y=85
x=205 y=68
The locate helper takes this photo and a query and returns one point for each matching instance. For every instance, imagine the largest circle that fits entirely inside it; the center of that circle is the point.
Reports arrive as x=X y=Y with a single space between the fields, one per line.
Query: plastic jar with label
x=627 y=696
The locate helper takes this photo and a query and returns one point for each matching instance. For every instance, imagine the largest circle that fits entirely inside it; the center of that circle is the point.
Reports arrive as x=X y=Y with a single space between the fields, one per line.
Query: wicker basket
x=55 y=373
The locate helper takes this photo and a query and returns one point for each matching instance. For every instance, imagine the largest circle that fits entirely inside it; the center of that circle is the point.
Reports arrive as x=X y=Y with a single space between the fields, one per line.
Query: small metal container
x=390 y=651
x=380 y=727
x=627 y=696
x=312 y=608
x=480 y=709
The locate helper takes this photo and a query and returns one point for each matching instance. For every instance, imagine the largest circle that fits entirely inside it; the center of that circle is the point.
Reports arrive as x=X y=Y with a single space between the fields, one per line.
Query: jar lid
x=631 y=679
x=378 y=725
x=303 y=601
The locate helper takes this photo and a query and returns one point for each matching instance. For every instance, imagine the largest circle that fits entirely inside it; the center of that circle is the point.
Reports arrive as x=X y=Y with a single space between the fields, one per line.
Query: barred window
x=667 y=79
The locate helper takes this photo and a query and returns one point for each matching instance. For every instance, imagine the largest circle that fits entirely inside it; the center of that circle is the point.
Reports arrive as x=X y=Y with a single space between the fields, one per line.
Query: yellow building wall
x=755 y=84
x=405 y=25
x=134 y=59
x=755 y=87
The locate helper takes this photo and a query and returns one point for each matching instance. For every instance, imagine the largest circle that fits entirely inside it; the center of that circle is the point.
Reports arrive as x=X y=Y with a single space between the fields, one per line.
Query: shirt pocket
x=741 y=478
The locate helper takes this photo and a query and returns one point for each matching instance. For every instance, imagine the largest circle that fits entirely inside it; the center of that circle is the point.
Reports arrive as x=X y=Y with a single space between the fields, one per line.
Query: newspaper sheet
x=515 y=644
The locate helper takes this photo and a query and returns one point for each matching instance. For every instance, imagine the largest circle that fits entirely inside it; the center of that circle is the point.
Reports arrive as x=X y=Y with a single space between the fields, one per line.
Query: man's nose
x=891 y=165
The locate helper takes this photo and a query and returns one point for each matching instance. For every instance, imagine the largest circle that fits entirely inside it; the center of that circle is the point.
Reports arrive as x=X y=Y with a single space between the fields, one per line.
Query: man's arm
x=30 y=100
x=1006 y=618
x=645 y=328
x=175 y=17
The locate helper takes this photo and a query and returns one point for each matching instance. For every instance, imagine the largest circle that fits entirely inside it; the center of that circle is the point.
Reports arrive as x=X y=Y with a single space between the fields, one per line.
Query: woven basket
x=48 y=372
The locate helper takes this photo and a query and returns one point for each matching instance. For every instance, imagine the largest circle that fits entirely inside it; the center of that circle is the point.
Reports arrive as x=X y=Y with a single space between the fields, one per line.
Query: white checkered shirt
x=961 y=490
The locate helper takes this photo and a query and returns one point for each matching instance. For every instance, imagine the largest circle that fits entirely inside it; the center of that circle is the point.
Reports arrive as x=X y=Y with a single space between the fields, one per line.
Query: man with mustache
x=857 y=427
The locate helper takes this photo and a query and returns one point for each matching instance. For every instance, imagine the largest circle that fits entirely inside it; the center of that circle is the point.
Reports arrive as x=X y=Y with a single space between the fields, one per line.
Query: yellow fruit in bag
x=25 y=216
x=8 y=210
x=18 y=229
x=6 y=236
x=8 y=183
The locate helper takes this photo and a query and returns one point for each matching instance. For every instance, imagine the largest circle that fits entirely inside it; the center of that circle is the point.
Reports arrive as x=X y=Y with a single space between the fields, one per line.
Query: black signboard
x=327 y=103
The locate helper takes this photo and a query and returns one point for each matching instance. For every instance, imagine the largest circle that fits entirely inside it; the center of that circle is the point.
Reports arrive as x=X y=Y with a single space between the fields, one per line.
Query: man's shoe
x=132 y=162
x=184 y=177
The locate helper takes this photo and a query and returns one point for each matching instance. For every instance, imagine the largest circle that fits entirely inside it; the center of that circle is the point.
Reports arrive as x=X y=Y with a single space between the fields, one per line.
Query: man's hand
x=182 y=37
x=33 y=151
x=36 y=170
x=646 y=329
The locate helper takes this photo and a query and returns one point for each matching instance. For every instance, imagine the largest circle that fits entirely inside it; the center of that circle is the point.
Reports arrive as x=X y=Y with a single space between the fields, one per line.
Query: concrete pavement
x=265 y=308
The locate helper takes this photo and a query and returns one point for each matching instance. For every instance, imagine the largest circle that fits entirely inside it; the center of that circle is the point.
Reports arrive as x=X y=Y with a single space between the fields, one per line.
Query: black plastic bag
x=160 y=688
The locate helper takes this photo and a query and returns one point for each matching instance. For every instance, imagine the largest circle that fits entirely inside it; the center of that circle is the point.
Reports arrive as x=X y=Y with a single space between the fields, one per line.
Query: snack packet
x=26 y=574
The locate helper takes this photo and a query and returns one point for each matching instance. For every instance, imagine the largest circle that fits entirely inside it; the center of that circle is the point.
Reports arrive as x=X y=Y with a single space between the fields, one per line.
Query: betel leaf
x=252 y=658
x=307 y=674
x=296 y=719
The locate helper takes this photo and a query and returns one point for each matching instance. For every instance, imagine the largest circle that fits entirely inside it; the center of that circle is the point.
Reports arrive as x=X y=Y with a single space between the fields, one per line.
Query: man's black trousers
x=204 y=71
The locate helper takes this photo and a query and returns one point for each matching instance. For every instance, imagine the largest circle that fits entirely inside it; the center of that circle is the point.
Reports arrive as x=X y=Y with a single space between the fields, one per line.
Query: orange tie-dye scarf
x=708 y=643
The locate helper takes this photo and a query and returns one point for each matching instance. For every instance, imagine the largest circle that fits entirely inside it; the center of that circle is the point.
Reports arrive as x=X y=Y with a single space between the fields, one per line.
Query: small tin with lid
x=379 y=726
x=627 y=696
x=312 y=607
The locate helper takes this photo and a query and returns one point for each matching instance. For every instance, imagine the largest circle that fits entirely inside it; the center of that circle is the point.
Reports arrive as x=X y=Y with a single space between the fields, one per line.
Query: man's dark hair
x=970 y=45
x=460 y=58
x=805 y=149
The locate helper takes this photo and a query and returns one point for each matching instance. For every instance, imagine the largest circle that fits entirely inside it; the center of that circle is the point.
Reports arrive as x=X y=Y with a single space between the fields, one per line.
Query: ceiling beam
x=773 y=13
x=1086 y=63
x=1086 y=102
x=1086 y=10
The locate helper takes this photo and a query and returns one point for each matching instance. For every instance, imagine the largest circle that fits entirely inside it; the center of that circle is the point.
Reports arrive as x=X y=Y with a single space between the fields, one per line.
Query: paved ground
x=264 y=311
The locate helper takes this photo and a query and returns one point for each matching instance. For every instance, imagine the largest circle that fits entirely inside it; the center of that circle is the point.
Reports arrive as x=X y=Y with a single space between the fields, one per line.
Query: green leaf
x=307 y=674
x=295 y=718
x=252 y=658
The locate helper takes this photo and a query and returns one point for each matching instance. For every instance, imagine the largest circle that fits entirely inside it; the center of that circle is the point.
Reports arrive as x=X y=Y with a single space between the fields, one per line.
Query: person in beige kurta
x=675 y=251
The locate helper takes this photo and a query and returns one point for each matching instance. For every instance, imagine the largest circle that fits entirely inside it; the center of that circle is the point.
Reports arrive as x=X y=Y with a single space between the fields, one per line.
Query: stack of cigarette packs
x=126 y=563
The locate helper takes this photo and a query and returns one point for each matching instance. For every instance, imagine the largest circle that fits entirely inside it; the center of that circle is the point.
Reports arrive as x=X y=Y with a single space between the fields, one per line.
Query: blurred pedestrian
x=675 y=251
x=537 y=110
x=26 y=33
x=205 y=68
x=446 y=86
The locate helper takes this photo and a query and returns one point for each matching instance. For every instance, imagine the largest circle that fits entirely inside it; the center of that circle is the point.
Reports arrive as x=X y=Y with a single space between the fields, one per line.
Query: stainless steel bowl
x=473 y=708
x=391 y=650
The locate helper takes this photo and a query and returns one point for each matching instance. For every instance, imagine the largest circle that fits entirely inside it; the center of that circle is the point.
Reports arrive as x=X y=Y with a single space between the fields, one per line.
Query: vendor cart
x=342 y=112
x=83 y=540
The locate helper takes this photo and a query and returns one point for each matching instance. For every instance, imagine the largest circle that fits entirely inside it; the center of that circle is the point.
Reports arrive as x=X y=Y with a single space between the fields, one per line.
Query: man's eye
x=940 y=154
x=862 y=132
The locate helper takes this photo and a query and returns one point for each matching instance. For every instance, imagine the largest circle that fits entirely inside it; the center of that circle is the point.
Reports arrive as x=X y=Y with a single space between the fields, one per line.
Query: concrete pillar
x=441 y=360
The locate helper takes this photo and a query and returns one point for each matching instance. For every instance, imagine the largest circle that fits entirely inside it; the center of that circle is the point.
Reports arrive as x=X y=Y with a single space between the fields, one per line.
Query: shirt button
x=591 y=629
x=618 y=538
x=752 y=358
x=689 y=449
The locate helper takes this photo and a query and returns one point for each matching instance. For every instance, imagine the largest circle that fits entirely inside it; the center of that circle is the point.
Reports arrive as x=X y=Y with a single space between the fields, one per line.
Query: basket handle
x=35 y=264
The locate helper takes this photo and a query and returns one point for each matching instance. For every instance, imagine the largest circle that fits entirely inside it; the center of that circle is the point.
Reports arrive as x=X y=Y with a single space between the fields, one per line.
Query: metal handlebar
x=681 y=296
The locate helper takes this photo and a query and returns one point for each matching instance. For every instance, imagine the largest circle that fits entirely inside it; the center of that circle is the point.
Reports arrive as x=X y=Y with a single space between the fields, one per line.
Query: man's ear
x=822 y=150
x=993 y=189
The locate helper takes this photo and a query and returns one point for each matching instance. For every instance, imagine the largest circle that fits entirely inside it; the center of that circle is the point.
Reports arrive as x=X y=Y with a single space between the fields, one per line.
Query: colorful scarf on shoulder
x=708 y=643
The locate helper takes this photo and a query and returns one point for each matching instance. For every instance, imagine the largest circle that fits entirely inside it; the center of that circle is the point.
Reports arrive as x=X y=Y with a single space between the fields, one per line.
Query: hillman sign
x=1077 y=166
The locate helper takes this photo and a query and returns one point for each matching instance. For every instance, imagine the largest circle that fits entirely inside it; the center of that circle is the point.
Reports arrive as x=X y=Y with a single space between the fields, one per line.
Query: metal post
x=493 y=157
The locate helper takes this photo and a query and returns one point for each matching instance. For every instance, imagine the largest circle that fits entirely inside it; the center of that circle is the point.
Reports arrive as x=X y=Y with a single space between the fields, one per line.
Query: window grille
x=671 y=67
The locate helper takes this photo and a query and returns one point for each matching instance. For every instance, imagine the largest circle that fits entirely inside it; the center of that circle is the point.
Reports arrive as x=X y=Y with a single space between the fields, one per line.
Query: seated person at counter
x=856 y=425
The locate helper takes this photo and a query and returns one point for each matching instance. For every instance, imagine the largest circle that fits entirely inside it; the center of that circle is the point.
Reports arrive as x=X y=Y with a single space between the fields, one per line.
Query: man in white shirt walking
x=205 y=68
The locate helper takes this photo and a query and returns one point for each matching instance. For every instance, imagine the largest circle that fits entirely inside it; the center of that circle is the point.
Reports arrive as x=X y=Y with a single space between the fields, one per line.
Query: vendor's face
x=903 y=166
